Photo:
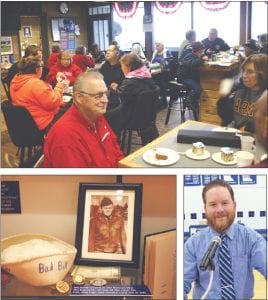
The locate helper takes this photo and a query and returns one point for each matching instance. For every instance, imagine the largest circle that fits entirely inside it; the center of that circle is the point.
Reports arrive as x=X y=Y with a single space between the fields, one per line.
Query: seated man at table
x=191 y=74
x=82 y=138
x=186 y=45
x=213 y=43
x=112 y=73
x=27 y=90
x=82 y=59
x=63 y=67
x=237 y=109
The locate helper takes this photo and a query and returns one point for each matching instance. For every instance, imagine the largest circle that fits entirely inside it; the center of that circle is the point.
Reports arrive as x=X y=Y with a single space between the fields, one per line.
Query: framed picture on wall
x=108 y=224
x=6 y=45
x=27 y=31
x=63 y=31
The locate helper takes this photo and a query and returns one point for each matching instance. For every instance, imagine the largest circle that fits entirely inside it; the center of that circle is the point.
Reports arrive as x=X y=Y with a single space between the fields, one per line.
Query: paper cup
x=247 y=143
x=244 y=158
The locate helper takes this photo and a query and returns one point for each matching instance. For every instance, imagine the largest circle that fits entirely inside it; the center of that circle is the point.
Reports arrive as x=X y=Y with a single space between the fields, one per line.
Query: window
x=171 y=28
x=128 y=31
x=226 y=21
x=259 y=18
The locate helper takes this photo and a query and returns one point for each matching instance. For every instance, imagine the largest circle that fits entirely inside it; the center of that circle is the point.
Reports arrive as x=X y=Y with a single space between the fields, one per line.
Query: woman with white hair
x=137 y=49
x=160 y=52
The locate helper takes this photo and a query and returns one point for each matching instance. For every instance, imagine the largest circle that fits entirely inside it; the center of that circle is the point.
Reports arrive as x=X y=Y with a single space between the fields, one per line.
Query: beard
x=221 y=221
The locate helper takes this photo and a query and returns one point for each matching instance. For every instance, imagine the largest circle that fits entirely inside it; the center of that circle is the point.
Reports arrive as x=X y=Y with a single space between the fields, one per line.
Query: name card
x=10 y=197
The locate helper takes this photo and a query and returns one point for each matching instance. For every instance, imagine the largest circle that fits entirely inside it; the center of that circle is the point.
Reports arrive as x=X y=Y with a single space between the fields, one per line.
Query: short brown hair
x=28 y=65
x=214 y=183
x=106 y=201
x=31 y=50
x=132 y=61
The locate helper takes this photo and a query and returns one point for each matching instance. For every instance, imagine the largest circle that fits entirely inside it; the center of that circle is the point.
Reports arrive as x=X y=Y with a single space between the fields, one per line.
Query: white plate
x=149 y=157
x=66 y=98
x=225 y=129
x=217 y=158
x=191 y=155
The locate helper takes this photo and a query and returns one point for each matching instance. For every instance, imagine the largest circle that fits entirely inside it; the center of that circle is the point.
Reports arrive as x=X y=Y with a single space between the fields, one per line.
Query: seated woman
x=137 y=49
x=64 y=68
x=158 y=57
x=37 y=96
x=238 y=109
x=137 y=79
x=82 y=60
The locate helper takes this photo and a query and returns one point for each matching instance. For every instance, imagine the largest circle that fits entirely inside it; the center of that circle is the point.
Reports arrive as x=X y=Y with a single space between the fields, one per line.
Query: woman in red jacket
x=65 y=67
x=82 y=60
x=37 y=96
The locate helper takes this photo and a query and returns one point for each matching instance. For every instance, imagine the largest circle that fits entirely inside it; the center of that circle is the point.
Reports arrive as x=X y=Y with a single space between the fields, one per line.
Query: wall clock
x=63 y=7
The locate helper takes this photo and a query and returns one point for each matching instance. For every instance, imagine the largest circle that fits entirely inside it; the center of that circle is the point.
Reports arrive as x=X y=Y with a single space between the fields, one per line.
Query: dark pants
x=195 y=92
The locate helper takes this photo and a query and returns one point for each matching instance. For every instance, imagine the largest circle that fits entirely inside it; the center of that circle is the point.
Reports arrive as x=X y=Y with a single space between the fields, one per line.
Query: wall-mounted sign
x=10 y=197
x=6 y=45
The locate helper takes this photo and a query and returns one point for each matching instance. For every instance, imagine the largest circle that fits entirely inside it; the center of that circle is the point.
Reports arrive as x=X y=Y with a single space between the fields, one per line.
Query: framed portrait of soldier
x=108 y=224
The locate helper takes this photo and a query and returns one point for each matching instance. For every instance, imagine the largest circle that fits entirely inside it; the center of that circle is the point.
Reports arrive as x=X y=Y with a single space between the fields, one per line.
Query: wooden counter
x=211 y=74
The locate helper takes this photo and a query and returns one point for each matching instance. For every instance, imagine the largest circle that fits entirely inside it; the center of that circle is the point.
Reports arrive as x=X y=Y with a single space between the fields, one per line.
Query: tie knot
x=223 y=236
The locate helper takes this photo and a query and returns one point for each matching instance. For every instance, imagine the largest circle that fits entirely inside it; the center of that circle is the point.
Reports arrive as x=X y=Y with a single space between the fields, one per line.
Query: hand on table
x=61 y=77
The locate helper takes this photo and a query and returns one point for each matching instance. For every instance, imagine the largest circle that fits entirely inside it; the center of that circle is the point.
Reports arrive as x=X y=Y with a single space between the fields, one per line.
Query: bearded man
x=241 y=250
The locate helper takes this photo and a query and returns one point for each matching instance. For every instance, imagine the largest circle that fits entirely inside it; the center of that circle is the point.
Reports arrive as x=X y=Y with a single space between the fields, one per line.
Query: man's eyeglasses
x=97 y=96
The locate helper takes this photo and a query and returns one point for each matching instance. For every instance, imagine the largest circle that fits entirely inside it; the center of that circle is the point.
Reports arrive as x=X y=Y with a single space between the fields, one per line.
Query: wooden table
x=211 y=74
x=169 y=140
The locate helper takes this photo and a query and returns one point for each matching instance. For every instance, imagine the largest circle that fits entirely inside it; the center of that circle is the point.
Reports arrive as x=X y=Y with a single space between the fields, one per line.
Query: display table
x=169 y=141
x=14 y=289
x=211 y=74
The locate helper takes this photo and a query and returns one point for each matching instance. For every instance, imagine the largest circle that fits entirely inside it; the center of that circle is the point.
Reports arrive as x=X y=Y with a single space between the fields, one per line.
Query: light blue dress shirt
x=247 y=250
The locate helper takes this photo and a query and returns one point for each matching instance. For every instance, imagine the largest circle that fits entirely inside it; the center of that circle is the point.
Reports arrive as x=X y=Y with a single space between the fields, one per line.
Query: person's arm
x=75 y=72
x=91 y=236
x=258 y=255
x=123 y=237
x=89 y=61
x=48 y=98
x=190 y=266
x=51 y=77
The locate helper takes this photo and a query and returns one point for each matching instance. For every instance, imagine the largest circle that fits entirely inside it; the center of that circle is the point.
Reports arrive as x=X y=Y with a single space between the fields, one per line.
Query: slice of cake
x=198 y=148
x=227 y=154
x=161 y=156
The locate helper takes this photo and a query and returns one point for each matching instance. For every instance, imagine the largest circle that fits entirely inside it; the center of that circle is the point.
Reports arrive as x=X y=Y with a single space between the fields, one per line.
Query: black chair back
x=21 y=127
x=115 y=119
x=6 y=87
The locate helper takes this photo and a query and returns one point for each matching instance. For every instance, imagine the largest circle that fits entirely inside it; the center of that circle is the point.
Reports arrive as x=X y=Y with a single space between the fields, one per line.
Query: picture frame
x=118 y=206
x=6 y=45
x=27 y=31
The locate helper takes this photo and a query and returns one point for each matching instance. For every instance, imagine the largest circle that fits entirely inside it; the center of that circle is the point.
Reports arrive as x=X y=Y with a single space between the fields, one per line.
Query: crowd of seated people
x=125 y=76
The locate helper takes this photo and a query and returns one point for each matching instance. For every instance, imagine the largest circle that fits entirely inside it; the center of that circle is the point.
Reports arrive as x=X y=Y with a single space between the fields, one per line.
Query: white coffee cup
x=244 y=158
x=247 y=143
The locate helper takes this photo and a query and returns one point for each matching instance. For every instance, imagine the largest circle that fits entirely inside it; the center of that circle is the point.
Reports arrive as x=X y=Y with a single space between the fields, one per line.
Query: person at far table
x=261 y=130
x=213 y=43
x=137 y=79
x=160 y=53
x=137 y=49
x=37 y=96
x=191 y=74
x=31 y=50
x=112 y=73
x=186 y=45
x=82 y=138
x=82 y=60
x=237 y=109
x=53 y=57
x=64 y=68
x=263 y=41
x=97 y=54
x=241 y=249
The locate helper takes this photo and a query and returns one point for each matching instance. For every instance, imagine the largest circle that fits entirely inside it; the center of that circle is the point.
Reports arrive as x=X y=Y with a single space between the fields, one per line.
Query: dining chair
x=114 y=117
x=22 y=130
x=5 y=85
x=142 y=119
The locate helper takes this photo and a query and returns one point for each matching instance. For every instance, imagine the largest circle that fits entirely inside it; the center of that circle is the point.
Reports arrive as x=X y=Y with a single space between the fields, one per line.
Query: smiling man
x=242 y=249
x=82 y=138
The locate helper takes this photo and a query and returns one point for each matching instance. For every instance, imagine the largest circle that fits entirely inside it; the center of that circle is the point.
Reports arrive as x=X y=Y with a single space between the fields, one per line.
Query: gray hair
x=86 y=77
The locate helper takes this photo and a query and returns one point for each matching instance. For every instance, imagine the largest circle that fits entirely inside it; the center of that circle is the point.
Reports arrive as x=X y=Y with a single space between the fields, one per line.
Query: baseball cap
x=251 y=44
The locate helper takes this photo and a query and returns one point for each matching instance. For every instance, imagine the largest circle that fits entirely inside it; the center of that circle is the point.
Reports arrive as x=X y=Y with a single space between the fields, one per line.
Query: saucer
x=172 y=157
x=66 y=98
x=217 y=158
x=191 y=155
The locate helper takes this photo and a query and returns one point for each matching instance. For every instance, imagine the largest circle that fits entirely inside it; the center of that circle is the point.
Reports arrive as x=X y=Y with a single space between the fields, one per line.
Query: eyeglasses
x=97 y=96
x=65 y=59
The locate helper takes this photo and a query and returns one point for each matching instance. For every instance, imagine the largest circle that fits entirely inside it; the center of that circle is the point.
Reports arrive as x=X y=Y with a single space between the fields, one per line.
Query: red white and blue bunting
x=168 y=7
x=214 y=5
x=126 y=9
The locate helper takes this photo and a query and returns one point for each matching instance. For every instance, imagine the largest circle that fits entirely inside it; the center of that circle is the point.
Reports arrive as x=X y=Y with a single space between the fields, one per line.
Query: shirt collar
x=229 y=232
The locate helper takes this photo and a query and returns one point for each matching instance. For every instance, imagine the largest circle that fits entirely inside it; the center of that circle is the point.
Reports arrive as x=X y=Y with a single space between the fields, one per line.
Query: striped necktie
x=226 y=273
